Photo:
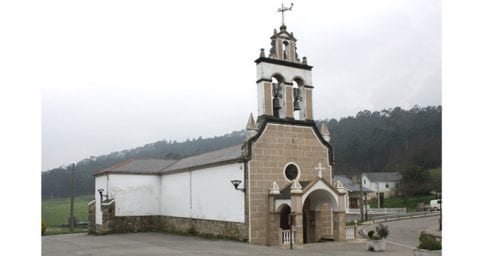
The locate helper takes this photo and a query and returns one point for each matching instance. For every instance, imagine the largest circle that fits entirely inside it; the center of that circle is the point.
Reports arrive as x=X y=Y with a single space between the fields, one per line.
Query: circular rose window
x=291 y=172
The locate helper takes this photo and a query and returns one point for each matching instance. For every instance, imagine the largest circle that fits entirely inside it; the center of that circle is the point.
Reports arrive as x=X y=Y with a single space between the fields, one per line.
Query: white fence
x=379 y=211
x=287 y=237
x=403 y=216
x=350 y=232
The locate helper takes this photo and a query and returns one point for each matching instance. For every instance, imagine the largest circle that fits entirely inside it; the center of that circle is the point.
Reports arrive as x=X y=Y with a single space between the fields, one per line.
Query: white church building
x=273 y=188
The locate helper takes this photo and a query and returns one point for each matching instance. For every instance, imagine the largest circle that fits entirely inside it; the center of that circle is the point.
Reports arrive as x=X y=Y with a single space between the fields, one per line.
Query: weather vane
x=283 y=10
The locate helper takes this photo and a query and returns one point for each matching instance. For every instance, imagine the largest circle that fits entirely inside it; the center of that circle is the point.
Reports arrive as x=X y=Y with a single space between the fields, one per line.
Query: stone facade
x=279 y=145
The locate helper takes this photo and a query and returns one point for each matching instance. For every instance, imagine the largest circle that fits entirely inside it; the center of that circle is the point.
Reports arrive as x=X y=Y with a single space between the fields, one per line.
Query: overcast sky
x=120 y=74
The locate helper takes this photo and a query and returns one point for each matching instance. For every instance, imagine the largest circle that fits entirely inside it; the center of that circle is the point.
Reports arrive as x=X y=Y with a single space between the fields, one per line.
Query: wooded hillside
x=387 y=140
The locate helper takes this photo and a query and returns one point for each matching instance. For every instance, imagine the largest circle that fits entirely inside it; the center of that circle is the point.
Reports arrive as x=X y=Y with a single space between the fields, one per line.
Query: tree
x=436 y=181
x=415 y=181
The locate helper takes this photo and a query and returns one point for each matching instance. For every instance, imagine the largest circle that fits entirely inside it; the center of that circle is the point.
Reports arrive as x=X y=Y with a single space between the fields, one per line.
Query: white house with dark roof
x=353 y=196
x=274 y=188
x=383 y=184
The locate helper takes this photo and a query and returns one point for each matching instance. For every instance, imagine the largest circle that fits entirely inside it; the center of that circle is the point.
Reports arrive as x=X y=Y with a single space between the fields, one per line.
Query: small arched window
x=285 y=50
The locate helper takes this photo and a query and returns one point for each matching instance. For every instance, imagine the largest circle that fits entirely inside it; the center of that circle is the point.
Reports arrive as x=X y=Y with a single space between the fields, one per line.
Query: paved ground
x=406 y=232
x=143 y=244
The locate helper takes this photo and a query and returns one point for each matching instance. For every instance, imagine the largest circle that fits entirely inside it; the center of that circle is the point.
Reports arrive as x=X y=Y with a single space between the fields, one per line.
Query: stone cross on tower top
x=283 y=10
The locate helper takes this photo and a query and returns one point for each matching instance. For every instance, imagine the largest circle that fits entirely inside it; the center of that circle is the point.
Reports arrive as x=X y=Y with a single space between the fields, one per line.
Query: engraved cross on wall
x=319 y=169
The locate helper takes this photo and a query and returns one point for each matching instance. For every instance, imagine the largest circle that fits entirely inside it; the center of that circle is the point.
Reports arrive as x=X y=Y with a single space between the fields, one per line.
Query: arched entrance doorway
x=318 y=216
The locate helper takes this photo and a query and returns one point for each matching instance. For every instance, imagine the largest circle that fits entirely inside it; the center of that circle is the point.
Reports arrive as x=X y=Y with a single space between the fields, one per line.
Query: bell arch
x=278 y=89
x=297 y=99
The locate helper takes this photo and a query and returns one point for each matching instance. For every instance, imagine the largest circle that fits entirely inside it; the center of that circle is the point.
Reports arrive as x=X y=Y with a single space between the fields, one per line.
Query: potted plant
x=429 y=245
x=376 y=241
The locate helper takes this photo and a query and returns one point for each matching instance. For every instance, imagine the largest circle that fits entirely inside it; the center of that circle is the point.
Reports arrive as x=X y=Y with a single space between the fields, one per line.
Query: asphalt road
x=142 y=244
x=406 y=232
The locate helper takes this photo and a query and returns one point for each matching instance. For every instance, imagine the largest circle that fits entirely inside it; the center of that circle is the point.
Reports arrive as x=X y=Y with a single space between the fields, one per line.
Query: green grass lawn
x=57 y=211
x=397 y=202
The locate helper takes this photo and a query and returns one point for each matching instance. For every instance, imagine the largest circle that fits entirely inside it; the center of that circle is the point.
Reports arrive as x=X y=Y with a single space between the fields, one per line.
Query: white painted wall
x=379 y=186
x=203 y=194
x=100 y=182
x=366 y=182
x=213 y=195
x=175 y=195
x=267 y=70
x=135 y=195
x=206 y=194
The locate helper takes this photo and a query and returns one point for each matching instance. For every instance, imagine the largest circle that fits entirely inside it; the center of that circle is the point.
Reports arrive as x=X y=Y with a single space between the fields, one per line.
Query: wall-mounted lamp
x=100 y=191
x=236 y=183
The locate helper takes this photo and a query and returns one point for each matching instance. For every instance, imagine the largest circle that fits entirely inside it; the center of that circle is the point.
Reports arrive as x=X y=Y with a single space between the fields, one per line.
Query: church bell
x=276 y=103
x=296 y=106
x=296 y=96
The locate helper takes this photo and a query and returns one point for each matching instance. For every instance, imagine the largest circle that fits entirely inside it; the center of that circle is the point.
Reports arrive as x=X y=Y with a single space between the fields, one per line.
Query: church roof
x=209 y=158
x=158 y=166
x=138 y=166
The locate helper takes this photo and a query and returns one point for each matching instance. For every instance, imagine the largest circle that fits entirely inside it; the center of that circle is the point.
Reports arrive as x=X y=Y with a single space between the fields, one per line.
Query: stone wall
x=325 y=222
x=108 y=214
x=231 y=230
x=124 y=224
x=339 y=225
x=91 y=219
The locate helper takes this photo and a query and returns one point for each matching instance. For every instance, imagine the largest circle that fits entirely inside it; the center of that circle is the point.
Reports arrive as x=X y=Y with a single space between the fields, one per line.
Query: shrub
x=370 y=233
x=429 y=242
x=382 y=231
x=44 y=227
x=372 y=236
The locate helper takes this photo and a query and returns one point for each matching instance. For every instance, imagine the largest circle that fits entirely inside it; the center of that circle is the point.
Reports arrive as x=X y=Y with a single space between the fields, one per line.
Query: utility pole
x=361 y=197
x=378 y=193
x=366 y=208
x=72 y=198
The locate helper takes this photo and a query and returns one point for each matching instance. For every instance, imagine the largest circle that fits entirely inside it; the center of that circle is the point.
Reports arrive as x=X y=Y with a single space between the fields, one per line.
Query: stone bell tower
x=292 y=199
x=284 y=82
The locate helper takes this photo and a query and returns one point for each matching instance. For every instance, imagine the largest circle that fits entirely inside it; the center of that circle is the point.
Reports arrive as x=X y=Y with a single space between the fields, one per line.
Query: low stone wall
x=91 y=219
x=125 y=224
x=231 y=230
